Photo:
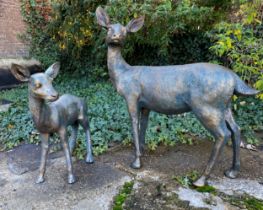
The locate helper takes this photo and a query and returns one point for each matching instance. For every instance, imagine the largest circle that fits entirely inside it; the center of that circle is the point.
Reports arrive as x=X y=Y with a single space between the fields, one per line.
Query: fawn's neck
x=39 y=109
x=116 y=63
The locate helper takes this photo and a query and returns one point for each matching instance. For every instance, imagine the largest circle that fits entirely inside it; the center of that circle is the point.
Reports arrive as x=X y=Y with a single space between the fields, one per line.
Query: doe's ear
x=53 y=70
x=102 y=17
x=21 y=73
x=135 y=24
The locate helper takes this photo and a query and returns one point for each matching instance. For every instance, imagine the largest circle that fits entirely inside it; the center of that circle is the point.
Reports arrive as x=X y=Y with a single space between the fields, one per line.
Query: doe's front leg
x=134 y=115
x=144 y=115
x=64 y=140
x=44 y=137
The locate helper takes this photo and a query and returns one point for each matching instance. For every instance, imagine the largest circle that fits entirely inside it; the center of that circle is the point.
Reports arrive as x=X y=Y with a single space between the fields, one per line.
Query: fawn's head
x=40 y=84
x=117 y=32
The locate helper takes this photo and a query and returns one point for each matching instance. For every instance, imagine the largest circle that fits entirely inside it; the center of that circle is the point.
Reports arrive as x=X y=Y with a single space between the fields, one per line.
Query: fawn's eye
x=110 y=30
x=38 y=85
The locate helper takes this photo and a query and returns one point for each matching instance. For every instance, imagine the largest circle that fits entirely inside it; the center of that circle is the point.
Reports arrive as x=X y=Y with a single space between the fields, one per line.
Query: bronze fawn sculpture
x=55 y=116
x=203 y=88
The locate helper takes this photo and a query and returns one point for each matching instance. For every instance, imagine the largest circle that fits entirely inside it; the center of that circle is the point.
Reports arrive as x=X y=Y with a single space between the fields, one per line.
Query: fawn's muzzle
x=53 y=97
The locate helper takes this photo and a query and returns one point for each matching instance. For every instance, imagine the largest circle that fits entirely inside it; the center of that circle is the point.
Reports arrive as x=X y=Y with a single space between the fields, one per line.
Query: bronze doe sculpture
x=203 y=88
x=55 y=116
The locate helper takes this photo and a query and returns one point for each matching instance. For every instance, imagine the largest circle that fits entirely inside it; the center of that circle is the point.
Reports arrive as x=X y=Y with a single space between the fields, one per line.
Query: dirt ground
x=157 y=186
x=181 y=159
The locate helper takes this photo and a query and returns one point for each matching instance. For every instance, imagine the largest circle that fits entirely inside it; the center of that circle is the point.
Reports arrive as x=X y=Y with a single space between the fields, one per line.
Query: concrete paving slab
x=239 y=186
x=95 y=187
x=26 y=157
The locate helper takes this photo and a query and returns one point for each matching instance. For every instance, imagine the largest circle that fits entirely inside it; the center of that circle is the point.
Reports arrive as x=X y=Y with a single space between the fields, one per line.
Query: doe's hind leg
x=213 y=120
x=235 y=137
x=85 y=124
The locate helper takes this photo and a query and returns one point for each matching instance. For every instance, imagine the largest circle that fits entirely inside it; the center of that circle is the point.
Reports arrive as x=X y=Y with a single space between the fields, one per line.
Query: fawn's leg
x=235 y=137
x=64 y=140
x=134 y=115
x=85 y=125
x=144 y=116
x=213 y=120
x=73 y=137
x=44 y=150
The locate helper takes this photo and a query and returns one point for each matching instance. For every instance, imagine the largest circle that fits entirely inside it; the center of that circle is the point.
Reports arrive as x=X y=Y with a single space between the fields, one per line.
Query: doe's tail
x=242 y=89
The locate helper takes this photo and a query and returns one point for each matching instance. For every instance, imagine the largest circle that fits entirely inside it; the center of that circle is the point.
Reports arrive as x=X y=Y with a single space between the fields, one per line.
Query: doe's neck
x=116 y=63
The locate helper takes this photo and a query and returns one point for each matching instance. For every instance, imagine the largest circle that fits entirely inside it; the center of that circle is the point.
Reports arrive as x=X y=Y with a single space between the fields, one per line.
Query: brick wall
x=11 y=25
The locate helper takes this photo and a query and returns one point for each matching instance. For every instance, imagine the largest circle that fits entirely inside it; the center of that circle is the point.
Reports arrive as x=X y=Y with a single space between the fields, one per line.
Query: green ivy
x=109 y=120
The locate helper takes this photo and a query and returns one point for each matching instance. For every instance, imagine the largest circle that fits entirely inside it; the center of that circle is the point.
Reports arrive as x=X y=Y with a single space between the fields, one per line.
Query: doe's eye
x=38 y=85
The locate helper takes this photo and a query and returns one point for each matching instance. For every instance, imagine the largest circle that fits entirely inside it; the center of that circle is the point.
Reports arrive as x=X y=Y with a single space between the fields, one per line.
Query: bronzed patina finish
x=203 y=88
x=54 y=116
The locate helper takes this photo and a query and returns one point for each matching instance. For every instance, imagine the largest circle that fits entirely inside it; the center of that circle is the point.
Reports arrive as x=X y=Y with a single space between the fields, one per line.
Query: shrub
x=168 y=26
x=36 y=13
x=67 y=31
x=240 y=45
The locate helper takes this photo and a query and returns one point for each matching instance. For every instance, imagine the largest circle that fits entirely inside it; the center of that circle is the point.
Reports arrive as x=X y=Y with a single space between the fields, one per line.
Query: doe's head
x=40 y=84
x=117 y=32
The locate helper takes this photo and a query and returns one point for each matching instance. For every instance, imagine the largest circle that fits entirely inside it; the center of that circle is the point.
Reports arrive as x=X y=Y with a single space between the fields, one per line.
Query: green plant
x=240 y=45
x=67 y=31
x=36 y=13
x=206 y=189
x=109 y=119
x=243 y=201
x=122 y=196
x=188 y=179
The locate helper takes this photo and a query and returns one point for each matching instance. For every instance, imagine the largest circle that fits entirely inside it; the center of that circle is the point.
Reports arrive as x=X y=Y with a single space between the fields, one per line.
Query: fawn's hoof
x=136 y=164
x=200 y=182
x=40 y=179
x=231 y=173
x=71 y=179
x=89 y=159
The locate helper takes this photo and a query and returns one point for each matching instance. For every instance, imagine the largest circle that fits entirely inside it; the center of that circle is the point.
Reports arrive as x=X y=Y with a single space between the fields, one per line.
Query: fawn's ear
x=135 y=24
x=102 y=17
x=21 y=73
x=53 y=70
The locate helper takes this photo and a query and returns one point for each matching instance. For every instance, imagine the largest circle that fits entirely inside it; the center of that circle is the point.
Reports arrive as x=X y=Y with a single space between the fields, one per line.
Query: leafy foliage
x=243 y=201
x=109 y=120
x=67 y=31
x=240 y=45
x=175 y=32
x=122 y=196
x=188 y=179
x=36 y=14
x=169 y=31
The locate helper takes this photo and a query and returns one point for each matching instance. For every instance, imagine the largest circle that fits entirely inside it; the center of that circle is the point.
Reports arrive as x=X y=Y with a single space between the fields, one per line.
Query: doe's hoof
x=136 y=164
x=200 y=182
x=142 y=148
x=40 y=179
x=71 y=179
x=89 y=159
x=231 y=173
